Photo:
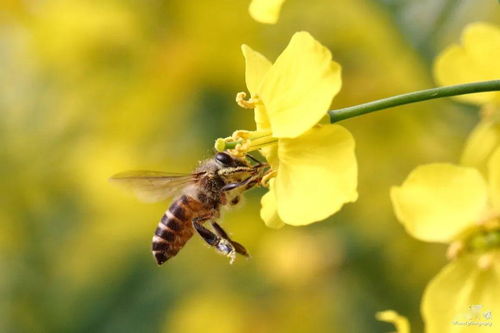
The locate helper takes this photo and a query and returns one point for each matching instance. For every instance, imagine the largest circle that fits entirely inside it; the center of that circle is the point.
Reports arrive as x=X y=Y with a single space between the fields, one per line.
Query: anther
x=242 y=134
x=220 y=144
x=240 y=150
x=485 y=261
x=244 y=103
x=455 y=249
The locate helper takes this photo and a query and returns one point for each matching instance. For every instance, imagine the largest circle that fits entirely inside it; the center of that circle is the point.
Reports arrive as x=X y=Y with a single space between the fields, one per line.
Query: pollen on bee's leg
x=245 y=103
x=232 y=257
x=226 y=248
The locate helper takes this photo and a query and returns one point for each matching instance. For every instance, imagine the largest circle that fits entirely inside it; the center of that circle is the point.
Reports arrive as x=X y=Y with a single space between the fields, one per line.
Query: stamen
x=267 y=177
x=242 y=141
x=400 y=322
x=220 y=144
x=455 y=249
x=257 y=147
x=244 y=103
x=261 y=142
x=242 y=147
x=485 y=261
x=243 y=134
x=490 y=220
x=482 y=241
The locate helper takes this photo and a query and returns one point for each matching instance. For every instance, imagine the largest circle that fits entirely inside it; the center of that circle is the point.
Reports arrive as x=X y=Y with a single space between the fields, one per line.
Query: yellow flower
x=476 y=59
x=314 y=164
x=483 y=139
x=460 y=205
x=462 y=297
x=457 y=205
x=265 y=11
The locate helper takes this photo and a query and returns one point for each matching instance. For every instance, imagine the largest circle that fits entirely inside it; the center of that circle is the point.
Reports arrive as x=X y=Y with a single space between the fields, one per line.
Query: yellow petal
x=461 y=293
x=299 y=87
x=271 y=155
x=438 y=201
x=265 y=11
x=317 y=174
x=494 y=179
x=475 y=60
x=269 y=212
x=481 y=142
x=256 y=67
x=261 y=118
x=400 y=322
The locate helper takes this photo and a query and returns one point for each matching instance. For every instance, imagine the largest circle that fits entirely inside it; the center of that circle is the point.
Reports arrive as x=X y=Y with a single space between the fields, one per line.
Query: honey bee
x=217 y=182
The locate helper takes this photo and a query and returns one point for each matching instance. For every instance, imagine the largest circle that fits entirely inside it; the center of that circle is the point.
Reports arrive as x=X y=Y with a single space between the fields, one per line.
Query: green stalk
x=413 y=97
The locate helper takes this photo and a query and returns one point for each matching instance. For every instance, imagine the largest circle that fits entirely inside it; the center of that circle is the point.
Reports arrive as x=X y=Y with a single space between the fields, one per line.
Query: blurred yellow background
x=89 y=88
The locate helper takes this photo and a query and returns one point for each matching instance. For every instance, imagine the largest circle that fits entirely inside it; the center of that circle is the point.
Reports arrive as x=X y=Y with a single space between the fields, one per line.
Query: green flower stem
x=413 y=97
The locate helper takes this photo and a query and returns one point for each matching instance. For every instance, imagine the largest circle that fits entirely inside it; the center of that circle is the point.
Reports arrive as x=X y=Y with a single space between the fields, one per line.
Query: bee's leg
x=232 y=186
x=222 y=245
x=207 y=235
x=223 y=234
x=252 y=183
x=235 y=170
x=248 y=183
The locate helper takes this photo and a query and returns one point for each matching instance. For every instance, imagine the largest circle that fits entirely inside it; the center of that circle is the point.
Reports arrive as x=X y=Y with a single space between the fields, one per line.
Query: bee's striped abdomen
x=173 y=231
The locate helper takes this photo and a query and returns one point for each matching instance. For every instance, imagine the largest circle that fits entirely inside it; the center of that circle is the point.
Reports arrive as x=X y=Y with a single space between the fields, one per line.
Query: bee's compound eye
x=224 y=159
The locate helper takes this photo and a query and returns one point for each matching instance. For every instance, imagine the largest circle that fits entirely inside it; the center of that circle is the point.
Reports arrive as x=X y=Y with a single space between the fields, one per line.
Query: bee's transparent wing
x=153 y=186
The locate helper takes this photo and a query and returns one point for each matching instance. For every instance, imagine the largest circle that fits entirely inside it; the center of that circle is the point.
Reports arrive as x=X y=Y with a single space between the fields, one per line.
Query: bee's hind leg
x=223 y=234
x=222 y=245
x=207 y=235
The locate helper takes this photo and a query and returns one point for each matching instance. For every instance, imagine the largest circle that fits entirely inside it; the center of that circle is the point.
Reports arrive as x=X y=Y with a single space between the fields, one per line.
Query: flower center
x=262 y=141
x=483 y=240
x=242 y=142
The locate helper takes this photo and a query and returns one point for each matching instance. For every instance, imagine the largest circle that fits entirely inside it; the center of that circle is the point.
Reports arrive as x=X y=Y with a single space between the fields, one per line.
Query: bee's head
x=224 y=160
x=234 y=169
